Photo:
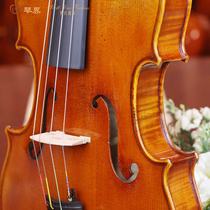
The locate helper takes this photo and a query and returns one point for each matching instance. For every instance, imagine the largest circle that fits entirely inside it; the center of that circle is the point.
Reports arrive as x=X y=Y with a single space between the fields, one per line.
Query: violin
x=96 y=137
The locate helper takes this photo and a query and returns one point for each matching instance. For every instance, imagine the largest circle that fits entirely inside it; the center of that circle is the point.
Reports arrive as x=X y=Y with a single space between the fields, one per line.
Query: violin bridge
x=60 y=138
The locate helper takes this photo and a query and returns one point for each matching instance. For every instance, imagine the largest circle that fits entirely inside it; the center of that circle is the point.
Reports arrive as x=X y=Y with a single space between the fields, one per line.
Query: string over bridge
x=60 y=138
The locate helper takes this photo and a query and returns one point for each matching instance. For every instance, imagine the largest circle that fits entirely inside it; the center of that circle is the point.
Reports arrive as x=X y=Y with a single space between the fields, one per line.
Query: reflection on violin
x=106 y=67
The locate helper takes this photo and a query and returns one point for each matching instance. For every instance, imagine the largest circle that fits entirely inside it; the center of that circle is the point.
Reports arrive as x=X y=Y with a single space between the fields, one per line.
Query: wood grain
x=127 y=45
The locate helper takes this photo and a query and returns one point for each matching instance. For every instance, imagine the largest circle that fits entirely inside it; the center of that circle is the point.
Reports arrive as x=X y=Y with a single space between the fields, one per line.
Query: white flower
x=202 y=137
x=205 y=112
x=178 y=114
x=198 y=145
x=204 y=164
x=202 y=176
x=204 y=191
x=171 y=129
x=177 y=127
x=191 y=119
x=199 y=176
x=206 y=128
x=168 y=118
x=198 y=133
x=170 y=106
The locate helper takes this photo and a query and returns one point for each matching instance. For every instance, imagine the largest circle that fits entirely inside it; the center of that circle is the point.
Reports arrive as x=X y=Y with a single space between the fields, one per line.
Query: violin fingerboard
x=67 y=34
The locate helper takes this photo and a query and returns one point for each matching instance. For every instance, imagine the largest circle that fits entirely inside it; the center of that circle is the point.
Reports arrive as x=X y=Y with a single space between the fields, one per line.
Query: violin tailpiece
x=68 y=205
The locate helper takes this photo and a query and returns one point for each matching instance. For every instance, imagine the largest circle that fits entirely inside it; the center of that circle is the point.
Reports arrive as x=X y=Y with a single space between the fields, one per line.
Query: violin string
x=44 y=97
x=66 y=94
x=36 y=107
x=53 y=105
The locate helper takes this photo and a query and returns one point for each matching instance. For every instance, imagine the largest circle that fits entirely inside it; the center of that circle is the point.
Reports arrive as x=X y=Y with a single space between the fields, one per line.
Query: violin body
x=118 y=95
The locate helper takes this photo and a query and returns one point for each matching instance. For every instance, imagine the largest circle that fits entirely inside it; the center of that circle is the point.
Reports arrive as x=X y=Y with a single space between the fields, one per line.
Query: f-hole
x=44 y=124
x=113 y=140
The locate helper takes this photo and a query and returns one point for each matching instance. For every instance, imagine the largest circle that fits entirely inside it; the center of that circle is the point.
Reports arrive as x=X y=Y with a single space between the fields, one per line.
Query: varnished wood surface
x=15 y=85
x=127 y=43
